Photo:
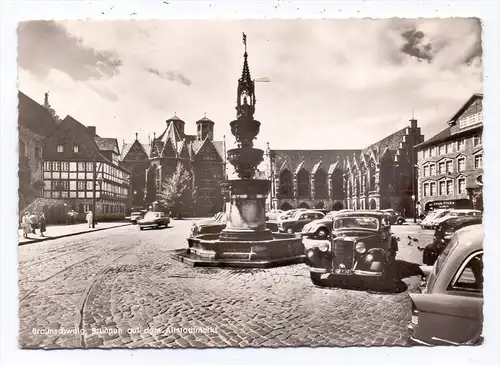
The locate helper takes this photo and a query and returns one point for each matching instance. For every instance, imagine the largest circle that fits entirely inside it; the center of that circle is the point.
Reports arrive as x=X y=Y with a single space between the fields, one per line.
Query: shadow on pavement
x=401 y=270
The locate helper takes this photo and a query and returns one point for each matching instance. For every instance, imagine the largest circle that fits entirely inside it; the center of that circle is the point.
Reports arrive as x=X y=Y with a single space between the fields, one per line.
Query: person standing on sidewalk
x=26 y=224
x=43 y=224
x=34 y=222
x=90 y=218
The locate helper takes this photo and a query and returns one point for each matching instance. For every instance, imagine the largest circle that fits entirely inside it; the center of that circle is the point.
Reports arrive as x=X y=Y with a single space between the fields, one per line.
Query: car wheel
x=322 y=234
x=289 y=230
x=316 y=278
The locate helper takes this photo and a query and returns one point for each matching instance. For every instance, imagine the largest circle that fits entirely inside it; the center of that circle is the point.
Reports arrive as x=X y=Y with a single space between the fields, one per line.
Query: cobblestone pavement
x=119 y=288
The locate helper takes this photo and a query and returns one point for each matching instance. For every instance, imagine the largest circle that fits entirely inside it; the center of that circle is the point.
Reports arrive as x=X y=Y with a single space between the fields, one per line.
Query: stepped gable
x=440 y=137
x=34 y=116
x=391 y=142
x=309 y=158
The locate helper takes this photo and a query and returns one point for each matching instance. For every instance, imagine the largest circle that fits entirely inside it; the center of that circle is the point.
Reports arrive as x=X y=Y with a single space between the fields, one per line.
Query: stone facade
x=451 y=163
x=153 y=163
x=380 y=176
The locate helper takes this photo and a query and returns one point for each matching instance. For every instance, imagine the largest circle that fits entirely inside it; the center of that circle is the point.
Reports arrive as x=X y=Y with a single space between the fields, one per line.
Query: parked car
x=319 y=228
x=324 y=211
x=449 y=309
x=454 y=213
x=361 y=245
x=289 y=213
x=135 y=216
x=298 y=221
x=443 y=234
x=153 y=219
x=273 y=215
x=437 y=214
x=394 y=216
x=212 y=225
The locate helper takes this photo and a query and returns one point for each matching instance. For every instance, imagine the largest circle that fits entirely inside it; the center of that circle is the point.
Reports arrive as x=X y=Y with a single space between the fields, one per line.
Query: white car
x=454 y=214
x=428 y=221
x=273 y=215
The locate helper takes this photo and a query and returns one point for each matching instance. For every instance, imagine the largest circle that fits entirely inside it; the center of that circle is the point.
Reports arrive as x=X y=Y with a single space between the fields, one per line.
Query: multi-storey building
x=380 y=176
x=75 y=158
x=35 y=123
x=153 y=163
x=451 y=162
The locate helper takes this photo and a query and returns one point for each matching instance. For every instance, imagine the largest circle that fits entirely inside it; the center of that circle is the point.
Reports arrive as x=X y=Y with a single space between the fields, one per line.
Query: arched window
x=286 y=184
x=320 y=184
x=303 y=184
x=337 y=184
x=386 y=174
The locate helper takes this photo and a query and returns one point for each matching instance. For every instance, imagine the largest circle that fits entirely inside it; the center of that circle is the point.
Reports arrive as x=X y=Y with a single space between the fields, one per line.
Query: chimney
x=91 y=130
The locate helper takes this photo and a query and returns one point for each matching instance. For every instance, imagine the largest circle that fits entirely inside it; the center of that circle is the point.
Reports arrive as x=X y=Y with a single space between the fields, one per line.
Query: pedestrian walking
x=33 y=222
x=90 y=218
x=42 y=221
x=26 y=224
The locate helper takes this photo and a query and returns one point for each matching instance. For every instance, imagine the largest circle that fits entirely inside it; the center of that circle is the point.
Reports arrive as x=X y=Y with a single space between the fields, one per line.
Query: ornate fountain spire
x=245 y=103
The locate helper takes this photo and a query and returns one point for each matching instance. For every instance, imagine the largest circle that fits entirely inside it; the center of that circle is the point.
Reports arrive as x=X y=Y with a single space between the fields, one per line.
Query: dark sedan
x=442 y=236
x=153 y=220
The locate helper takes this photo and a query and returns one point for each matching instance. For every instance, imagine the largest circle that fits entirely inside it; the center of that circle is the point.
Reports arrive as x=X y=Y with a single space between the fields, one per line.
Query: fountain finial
x=245 y=104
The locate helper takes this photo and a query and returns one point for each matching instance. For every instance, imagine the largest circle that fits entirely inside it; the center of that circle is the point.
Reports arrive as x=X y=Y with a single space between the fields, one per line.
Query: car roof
x=309 y=211
x=372 y=213
x=470 y=237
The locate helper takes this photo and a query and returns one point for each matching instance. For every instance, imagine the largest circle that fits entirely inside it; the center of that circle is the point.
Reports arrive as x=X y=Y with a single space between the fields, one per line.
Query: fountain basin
x=209 y=250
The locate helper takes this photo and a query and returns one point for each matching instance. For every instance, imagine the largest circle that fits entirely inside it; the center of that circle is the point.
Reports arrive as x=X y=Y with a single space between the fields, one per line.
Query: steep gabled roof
x=34 y=116
x=334 y=166
x=391 y=142
x=169 y=149
x=316 y=167
x=310 y=157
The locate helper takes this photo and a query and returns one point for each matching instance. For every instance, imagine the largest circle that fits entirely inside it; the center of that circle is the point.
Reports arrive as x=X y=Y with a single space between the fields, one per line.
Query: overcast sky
x=332 y=83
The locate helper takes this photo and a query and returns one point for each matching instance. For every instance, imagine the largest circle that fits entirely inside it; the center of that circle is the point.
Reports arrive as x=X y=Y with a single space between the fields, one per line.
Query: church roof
x=391 y=142
x=205 y=119
x=293 y=158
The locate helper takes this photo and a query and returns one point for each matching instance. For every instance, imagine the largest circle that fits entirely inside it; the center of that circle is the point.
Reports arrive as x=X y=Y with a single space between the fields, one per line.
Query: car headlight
x=323 y=247
x=360 y=247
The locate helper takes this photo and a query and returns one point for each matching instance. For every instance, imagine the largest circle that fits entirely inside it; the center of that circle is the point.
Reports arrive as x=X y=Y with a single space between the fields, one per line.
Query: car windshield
x=356 y=222
x=135 y=214
x=443 y=214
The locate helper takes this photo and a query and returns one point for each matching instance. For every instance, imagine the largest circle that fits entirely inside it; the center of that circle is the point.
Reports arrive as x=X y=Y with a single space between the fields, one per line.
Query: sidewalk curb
x=37 y=240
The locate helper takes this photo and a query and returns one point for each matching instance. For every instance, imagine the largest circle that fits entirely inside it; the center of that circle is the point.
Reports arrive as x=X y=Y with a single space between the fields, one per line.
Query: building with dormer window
x=451 y=162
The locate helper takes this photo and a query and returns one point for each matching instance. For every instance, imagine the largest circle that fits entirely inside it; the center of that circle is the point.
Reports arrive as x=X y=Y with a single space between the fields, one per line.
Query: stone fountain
x=245 y=242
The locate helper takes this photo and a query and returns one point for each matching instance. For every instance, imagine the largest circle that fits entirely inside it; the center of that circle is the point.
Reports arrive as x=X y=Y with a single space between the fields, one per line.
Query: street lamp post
x=414 y=209
x=95 y=179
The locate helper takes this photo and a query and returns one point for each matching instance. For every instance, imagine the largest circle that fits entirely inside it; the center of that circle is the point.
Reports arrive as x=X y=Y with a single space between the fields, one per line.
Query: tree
x=176 y=191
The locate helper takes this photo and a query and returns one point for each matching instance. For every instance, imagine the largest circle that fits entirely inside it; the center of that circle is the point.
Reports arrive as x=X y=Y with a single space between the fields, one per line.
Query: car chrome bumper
x=416 y=341
x=320 y=270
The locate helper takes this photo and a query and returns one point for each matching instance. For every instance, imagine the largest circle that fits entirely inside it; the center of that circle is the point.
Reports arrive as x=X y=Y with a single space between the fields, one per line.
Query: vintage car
x=213 y=225
x=319 y=228
x=135 y=216
x=449 y=308
x=289 y=214
x=428 y=222
x=442 y=236
x=153 y=220
x=394 y=216
x=361 y=246
x=298 y=221
x=273 y=214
